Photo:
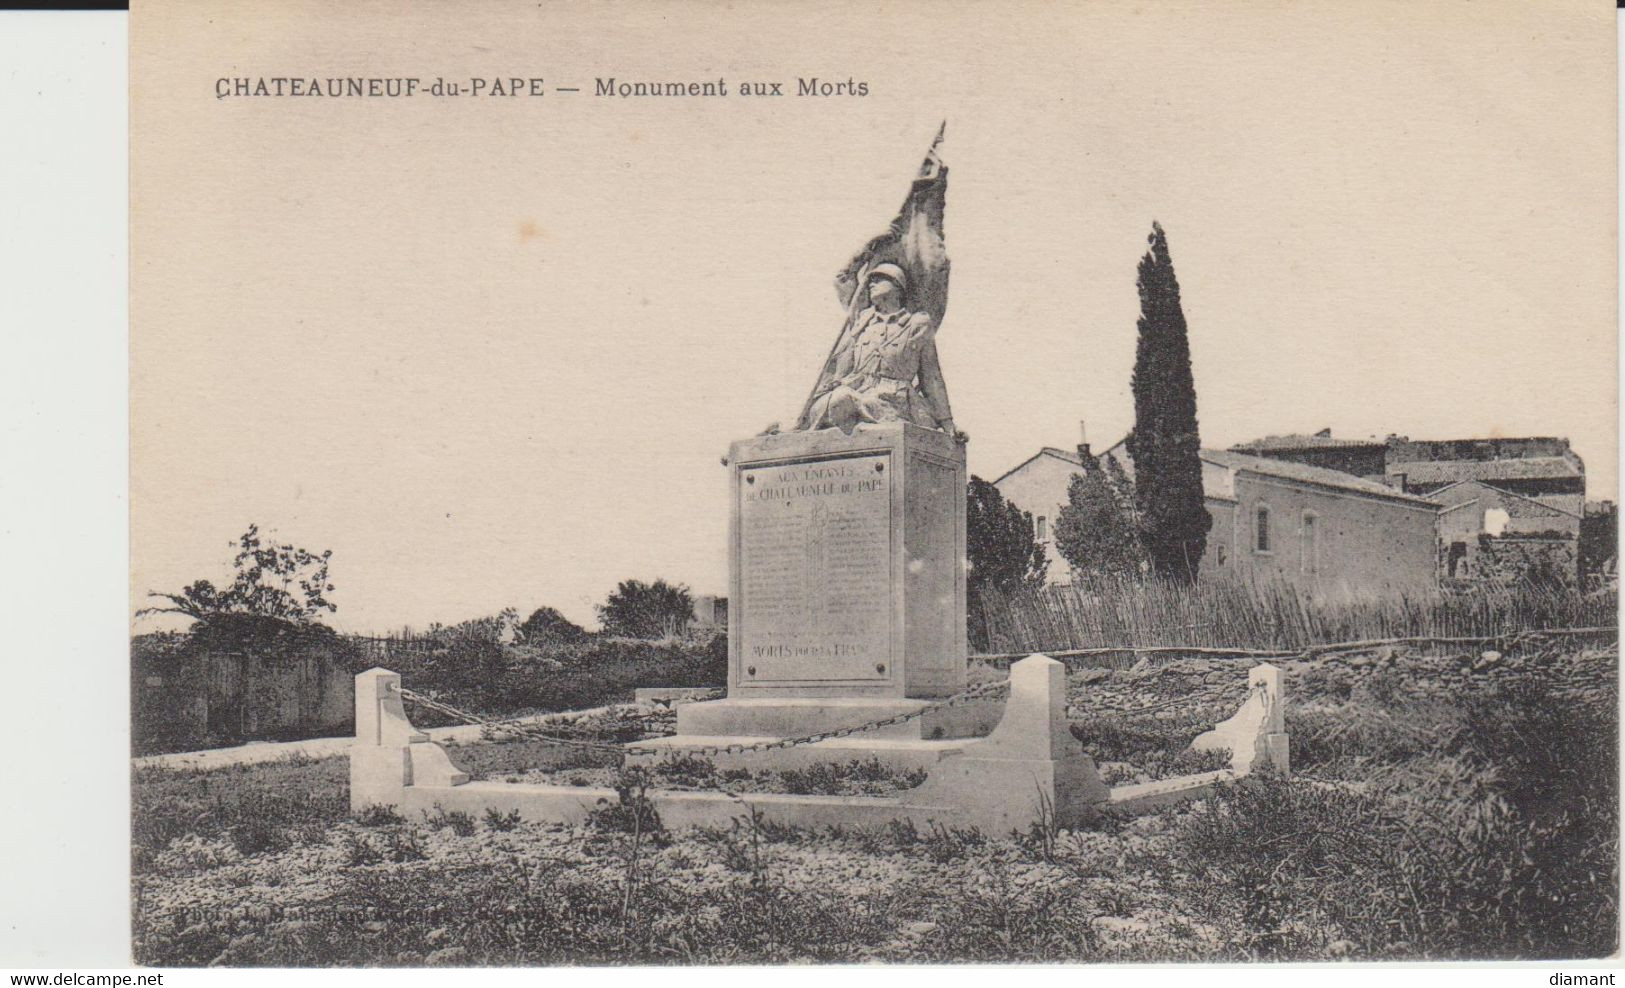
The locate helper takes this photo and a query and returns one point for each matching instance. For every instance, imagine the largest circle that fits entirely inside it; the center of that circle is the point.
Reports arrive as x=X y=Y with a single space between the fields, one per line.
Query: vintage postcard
x=759 y=483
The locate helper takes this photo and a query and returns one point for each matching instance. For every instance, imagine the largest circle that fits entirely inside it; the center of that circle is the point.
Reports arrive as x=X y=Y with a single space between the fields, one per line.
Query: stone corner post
x=1271 y=748
x=1256 y=734
x=388 y=753
x=1030 y=767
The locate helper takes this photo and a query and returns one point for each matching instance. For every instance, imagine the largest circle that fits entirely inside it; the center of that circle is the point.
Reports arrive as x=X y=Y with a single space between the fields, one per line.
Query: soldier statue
x=883 y=367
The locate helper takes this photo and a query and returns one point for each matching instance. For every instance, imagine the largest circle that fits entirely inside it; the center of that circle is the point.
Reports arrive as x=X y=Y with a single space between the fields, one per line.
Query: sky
x=490 y=351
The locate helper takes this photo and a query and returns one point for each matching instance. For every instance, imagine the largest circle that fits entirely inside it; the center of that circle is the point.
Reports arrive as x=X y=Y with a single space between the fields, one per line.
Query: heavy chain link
x=973 y=694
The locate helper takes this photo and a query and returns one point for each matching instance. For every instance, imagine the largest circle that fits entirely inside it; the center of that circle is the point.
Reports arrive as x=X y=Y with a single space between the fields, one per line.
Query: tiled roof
x=1273 y=443
x=1071 y=458
x=1447 y=471
x=1320 y=476
x=1444 y=494
x=1285 y=469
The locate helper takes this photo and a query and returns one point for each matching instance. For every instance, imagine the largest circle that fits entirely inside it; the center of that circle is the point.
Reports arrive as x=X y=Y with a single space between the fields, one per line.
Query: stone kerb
x=1256 y=734
x=389 y=754
x=1030 y=769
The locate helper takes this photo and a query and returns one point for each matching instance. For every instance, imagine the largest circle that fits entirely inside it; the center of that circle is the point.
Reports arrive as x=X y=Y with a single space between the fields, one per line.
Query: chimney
x=1083 y=433
x=1397 y=482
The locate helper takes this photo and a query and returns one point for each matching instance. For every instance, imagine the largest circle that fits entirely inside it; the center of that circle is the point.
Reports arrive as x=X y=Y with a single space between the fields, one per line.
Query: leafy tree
x=1000 y=541
x=1003 y=551
x=1095 y=530
x=1165 y=446
x=499 y=628
x=646 y=610
x=273 y=581
x=546 y=624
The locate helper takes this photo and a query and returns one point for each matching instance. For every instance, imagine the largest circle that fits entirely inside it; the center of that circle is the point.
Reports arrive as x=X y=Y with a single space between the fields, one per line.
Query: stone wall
x=183 y=699
x=1533 y=536
x=1516 y=558
x=1403 y=450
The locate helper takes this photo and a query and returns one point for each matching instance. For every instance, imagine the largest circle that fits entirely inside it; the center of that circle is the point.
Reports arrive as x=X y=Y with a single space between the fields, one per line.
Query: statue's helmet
x=890 y=272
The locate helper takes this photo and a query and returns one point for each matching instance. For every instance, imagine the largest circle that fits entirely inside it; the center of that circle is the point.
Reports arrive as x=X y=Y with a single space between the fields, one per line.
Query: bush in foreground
x=1489 y=829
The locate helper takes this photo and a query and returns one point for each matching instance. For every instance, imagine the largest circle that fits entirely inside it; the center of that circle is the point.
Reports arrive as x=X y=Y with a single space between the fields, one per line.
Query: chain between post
x=980 y=692
x=983 y=691
x=1105 y=707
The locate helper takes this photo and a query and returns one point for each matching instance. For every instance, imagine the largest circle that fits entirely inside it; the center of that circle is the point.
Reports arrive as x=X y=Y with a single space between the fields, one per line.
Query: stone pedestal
x=846 y=586
x=846 y=564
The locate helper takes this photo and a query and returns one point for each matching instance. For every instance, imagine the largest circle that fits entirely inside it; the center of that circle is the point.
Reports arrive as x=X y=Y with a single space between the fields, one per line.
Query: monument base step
x=792 y=717
x=897 y=754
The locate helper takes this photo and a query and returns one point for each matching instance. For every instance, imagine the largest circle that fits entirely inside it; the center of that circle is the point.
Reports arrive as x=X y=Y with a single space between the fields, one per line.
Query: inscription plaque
x=815 y=571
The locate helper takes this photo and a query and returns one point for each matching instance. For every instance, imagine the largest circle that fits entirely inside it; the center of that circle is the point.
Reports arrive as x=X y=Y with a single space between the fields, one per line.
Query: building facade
x=1326 y=531
x=1541 y=467
x=1486 y=533
x=1510 y=508
x=1329 y=533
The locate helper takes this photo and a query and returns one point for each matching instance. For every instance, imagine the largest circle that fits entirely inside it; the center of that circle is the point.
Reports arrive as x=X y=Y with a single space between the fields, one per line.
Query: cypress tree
x=1165 y=446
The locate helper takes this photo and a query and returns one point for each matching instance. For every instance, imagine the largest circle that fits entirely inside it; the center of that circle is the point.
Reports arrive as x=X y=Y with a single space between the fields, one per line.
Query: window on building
x=1043 y=528
x=1261 y=528
x=1218 y=553
x=1495 y=521
x=1310 y=547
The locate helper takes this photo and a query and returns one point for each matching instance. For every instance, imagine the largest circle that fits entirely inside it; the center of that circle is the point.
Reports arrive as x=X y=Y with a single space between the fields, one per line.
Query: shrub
x=595 y=671
x=1112 y=737
x=647 y=610
x=403 y=845
x=546 y=625
x=945 y=844
x=483 y=761
x=820 y=778
x=378 y=815
x=685 y=770
x=857 y=777
x=501 y=821
x=632 y=811
x=1501 y=842
x=460 y=823
x=359 y=851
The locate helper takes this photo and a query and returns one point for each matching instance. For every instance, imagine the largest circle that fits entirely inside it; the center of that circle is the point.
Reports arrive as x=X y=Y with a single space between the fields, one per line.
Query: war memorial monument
x=846 y=638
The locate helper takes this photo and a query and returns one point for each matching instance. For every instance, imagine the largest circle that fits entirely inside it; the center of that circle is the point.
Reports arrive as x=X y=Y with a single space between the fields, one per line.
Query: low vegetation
x=565 y=675
x=859 y=777
x=1442 y=806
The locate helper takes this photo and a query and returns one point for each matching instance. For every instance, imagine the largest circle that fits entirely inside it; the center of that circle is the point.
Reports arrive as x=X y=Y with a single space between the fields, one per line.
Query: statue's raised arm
x=883 y=366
